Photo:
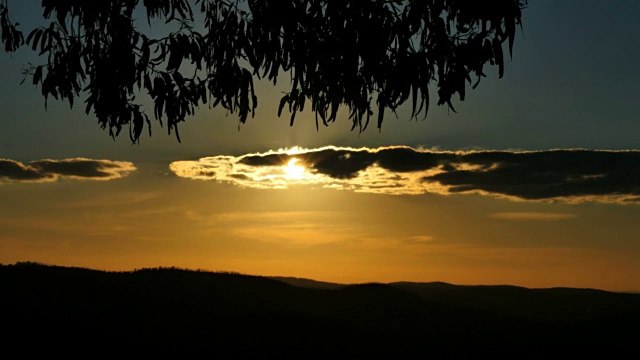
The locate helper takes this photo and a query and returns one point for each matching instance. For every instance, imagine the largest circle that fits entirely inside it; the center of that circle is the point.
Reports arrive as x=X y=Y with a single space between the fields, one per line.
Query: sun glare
x=292 y=170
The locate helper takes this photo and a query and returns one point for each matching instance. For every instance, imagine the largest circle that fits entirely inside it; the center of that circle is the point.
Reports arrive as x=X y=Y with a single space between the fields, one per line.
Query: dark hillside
x=55 y=310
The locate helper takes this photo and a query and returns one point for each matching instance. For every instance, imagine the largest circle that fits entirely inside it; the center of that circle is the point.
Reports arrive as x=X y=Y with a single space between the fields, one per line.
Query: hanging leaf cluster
x=11 y=37
x=367 y=55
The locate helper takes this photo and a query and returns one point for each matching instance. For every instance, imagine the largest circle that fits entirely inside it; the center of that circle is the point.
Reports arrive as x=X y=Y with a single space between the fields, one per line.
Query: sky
x=535 y=181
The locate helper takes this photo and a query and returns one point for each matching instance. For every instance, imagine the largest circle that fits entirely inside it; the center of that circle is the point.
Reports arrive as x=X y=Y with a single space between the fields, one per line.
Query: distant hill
x=308 y=283
x=49 y=310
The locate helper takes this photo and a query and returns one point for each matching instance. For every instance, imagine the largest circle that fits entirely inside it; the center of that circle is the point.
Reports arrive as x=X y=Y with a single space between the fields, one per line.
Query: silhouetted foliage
x=362 y=54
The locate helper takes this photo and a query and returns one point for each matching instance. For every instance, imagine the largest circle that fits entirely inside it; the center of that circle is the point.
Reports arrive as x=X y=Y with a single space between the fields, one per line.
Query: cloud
x=295 y=228
x=119 y=199
x=532 y=216
x=421 y=239
x=572 y=176
x=51 y=170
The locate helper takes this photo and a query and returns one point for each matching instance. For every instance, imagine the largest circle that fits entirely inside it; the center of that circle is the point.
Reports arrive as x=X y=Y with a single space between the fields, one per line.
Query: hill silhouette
x=50 y=310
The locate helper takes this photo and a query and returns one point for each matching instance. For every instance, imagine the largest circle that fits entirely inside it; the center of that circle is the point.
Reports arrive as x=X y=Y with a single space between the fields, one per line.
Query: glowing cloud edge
x=556 y=175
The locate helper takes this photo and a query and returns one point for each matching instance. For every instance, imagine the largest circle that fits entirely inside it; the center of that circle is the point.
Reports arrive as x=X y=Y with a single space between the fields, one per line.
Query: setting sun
x=292 y=170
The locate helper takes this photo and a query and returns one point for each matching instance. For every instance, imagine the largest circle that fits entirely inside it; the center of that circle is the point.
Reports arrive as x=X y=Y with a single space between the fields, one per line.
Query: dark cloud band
x=50 y=170
x=572 y=175
x=562 y=175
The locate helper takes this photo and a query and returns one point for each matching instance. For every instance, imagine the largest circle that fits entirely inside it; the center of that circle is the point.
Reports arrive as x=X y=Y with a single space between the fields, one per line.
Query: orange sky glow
x=290 y=219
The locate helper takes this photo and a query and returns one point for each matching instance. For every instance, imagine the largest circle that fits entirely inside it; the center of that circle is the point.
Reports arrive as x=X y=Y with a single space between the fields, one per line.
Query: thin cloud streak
x=48 y=170
x=532 y=216
x=570 y=176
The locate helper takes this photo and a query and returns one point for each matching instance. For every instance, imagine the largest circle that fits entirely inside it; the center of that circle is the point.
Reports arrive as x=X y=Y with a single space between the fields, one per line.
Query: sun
x=293 y=171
